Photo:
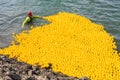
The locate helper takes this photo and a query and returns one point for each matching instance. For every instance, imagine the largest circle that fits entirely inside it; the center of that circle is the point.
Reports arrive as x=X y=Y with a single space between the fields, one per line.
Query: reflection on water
x=106 y=12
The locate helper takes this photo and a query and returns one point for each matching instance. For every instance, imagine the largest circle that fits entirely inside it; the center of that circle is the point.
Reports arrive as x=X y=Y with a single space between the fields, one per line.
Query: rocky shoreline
x=11 y=69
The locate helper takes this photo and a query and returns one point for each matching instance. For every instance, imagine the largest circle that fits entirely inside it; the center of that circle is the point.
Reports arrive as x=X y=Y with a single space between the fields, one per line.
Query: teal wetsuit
x=29 y=19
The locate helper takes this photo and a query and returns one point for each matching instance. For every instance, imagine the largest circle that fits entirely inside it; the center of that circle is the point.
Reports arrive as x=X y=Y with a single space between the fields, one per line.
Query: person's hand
x=22 y=26
x=40 y=16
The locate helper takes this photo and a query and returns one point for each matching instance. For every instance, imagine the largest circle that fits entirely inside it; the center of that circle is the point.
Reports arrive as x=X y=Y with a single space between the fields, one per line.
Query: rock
x=15 y=76
x=7 y=73
x=35 y=67
x=14 y=70
x=7 y=78
x=2 y=57
x=42 y=78
x=24 y=73
x=24 y=77
x=1 y=62
x=1 y=78
x=8 y=60
x=84 y=78
x=53 y=78
x=37 y=72
x=42 y=71
x=23 y=68
x=5 y=63
x=28 y=66
x=1 y=70
x=31 y=72
x=31 y=78
x=6 y=69
x=50 y=75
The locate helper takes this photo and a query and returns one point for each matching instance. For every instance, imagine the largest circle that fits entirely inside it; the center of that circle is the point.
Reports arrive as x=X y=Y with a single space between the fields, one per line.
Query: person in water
x=29 y=18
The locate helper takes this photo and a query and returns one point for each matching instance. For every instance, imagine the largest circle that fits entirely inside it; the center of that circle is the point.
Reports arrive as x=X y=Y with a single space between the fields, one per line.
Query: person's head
x=29 y=14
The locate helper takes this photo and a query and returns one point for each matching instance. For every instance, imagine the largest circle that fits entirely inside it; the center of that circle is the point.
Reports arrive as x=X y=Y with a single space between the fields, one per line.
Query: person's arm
x=25 y=21
x=37 y=17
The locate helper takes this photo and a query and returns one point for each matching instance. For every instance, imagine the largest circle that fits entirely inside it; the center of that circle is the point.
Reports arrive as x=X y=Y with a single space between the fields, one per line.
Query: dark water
x=13 y=12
